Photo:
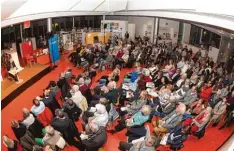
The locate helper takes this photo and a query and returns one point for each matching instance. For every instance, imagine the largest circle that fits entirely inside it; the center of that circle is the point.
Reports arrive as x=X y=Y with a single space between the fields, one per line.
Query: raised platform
x=30 y=75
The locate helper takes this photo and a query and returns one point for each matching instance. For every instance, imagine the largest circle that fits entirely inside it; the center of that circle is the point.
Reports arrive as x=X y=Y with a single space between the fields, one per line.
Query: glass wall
x=200 y=36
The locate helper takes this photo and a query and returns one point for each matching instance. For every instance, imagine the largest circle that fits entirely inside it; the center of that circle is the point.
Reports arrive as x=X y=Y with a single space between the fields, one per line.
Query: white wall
x=186 y=35
x=171 y=27
x=138 y=21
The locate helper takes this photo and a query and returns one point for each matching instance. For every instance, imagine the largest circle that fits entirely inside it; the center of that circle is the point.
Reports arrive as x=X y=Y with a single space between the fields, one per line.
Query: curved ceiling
x=220 y=13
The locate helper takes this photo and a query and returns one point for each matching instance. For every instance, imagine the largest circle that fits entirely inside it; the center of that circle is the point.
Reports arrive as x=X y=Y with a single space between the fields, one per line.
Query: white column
x=49 y=24
x=21 y=32
x=73 y=22
x=155 y=29
x=104 y=17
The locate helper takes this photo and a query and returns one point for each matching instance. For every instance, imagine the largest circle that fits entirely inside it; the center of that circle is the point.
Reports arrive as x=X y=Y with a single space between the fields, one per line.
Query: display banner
x=53 y=48
x=26 y=24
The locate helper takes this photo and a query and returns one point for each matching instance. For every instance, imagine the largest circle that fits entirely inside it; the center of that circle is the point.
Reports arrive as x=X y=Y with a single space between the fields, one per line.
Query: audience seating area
x=154 y=98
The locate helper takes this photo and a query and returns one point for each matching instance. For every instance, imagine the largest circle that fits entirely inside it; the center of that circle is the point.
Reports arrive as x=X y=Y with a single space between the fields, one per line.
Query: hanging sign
x=26 y=24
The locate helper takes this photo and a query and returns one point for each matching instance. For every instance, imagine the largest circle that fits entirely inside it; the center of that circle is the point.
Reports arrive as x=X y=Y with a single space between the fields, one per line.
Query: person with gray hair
x=93 y=138
x=66 y=127
x=31 y=123
x=170 y=121
x=137 y=120
x=149 y=144
x=52 y=138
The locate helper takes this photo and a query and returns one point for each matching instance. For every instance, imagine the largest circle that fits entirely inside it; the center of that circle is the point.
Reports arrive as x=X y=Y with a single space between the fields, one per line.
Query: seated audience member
x=66 y=127
x=218 y=111
x=170 y=121
x=52 y=138
x=108 y=60
x=197 y=107
x=200 y=84
x=181 y=92
x=25 y=137
x=136 y=105
x=31 y=123
x=11 y=145
x=181 y=63
x=94 y=138
x=114 y=76
x=181 y=81
x=64 y=86
x=137 y=120
x=82 y=86
x=215 y=98
x=100 y=115
x=206 y=91
x=79 y=99
x=72 y=110
x=96 y=95
x=149 y=144
x=54 y=89
x=68 y=73
x=229 y=120
x=43 y=114
x=177 y=136
x=176 y=76
x=110 y=92
x=199 y=121
x=38 y=107
x=50 y=101
x=190 y=96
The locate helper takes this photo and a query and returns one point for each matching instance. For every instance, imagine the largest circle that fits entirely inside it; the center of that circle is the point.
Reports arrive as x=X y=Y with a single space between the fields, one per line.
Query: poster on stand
x=53 y=48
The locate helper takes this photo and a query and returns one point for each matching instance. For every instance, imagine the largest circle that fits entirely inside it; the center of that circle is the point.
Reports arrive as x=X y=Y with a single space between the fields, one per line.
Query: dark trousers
x=124 y=146
x=228 y=121
x=13 y=76
x=27 y=141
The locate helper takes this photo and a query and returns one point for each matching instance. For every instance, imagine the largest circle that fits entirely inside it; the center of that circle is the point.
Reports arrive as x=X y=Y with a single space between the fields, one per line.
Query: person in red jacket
x=206 y=91
x=43 y=114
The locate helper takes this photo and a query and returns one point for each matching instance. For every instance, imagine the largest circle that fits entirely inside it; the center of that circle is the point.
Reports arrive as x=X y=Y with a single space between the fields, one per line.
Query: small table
x=43 y=59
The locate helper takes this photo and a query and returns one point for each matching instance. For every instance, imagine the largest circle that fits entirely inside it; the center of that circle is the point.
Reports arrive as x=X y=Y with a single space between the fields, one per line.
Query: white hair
x=93 y=127
x=146 y=109
x=75 y=88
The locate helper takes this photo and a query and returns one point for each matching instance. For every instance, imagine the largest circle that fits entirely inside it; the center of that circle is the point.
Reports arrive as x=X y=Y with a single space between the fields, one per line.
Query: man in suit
x=170 y=121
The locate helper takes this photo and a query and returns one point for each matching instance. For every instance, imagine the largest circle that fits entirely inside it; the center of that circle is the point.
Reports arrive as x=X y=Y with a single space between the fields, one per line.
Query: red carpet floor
x=210 y=142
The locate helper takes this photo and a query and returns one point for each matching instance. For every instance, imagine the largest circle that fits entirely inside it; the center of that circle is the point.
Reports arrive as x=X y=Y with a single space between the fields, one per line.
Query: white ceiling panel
x=41 y=6
x=87 y=5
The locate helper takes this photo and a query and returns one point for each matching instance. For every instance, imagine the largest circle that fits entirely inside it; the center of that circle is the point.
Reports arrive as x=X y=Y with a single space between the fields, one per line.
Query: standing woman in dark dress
x=64 y=86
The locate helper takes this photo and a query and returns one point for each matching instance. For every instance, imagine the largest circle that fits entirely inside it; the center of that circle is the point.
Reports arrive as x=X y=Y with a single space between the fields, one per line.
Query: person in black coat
x=177 y=136
x=25 y=137
x=50 y=101
x=72 y=110
x=64 y=86
x=66 y=127
x=96 y=137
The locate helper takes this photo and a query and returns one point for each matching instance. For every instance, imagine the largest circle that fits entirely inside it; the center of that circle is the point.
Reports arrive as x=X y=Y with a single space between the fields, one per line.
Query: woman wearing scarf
x=79 y=99
x=199 y=121
x=100 y=116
